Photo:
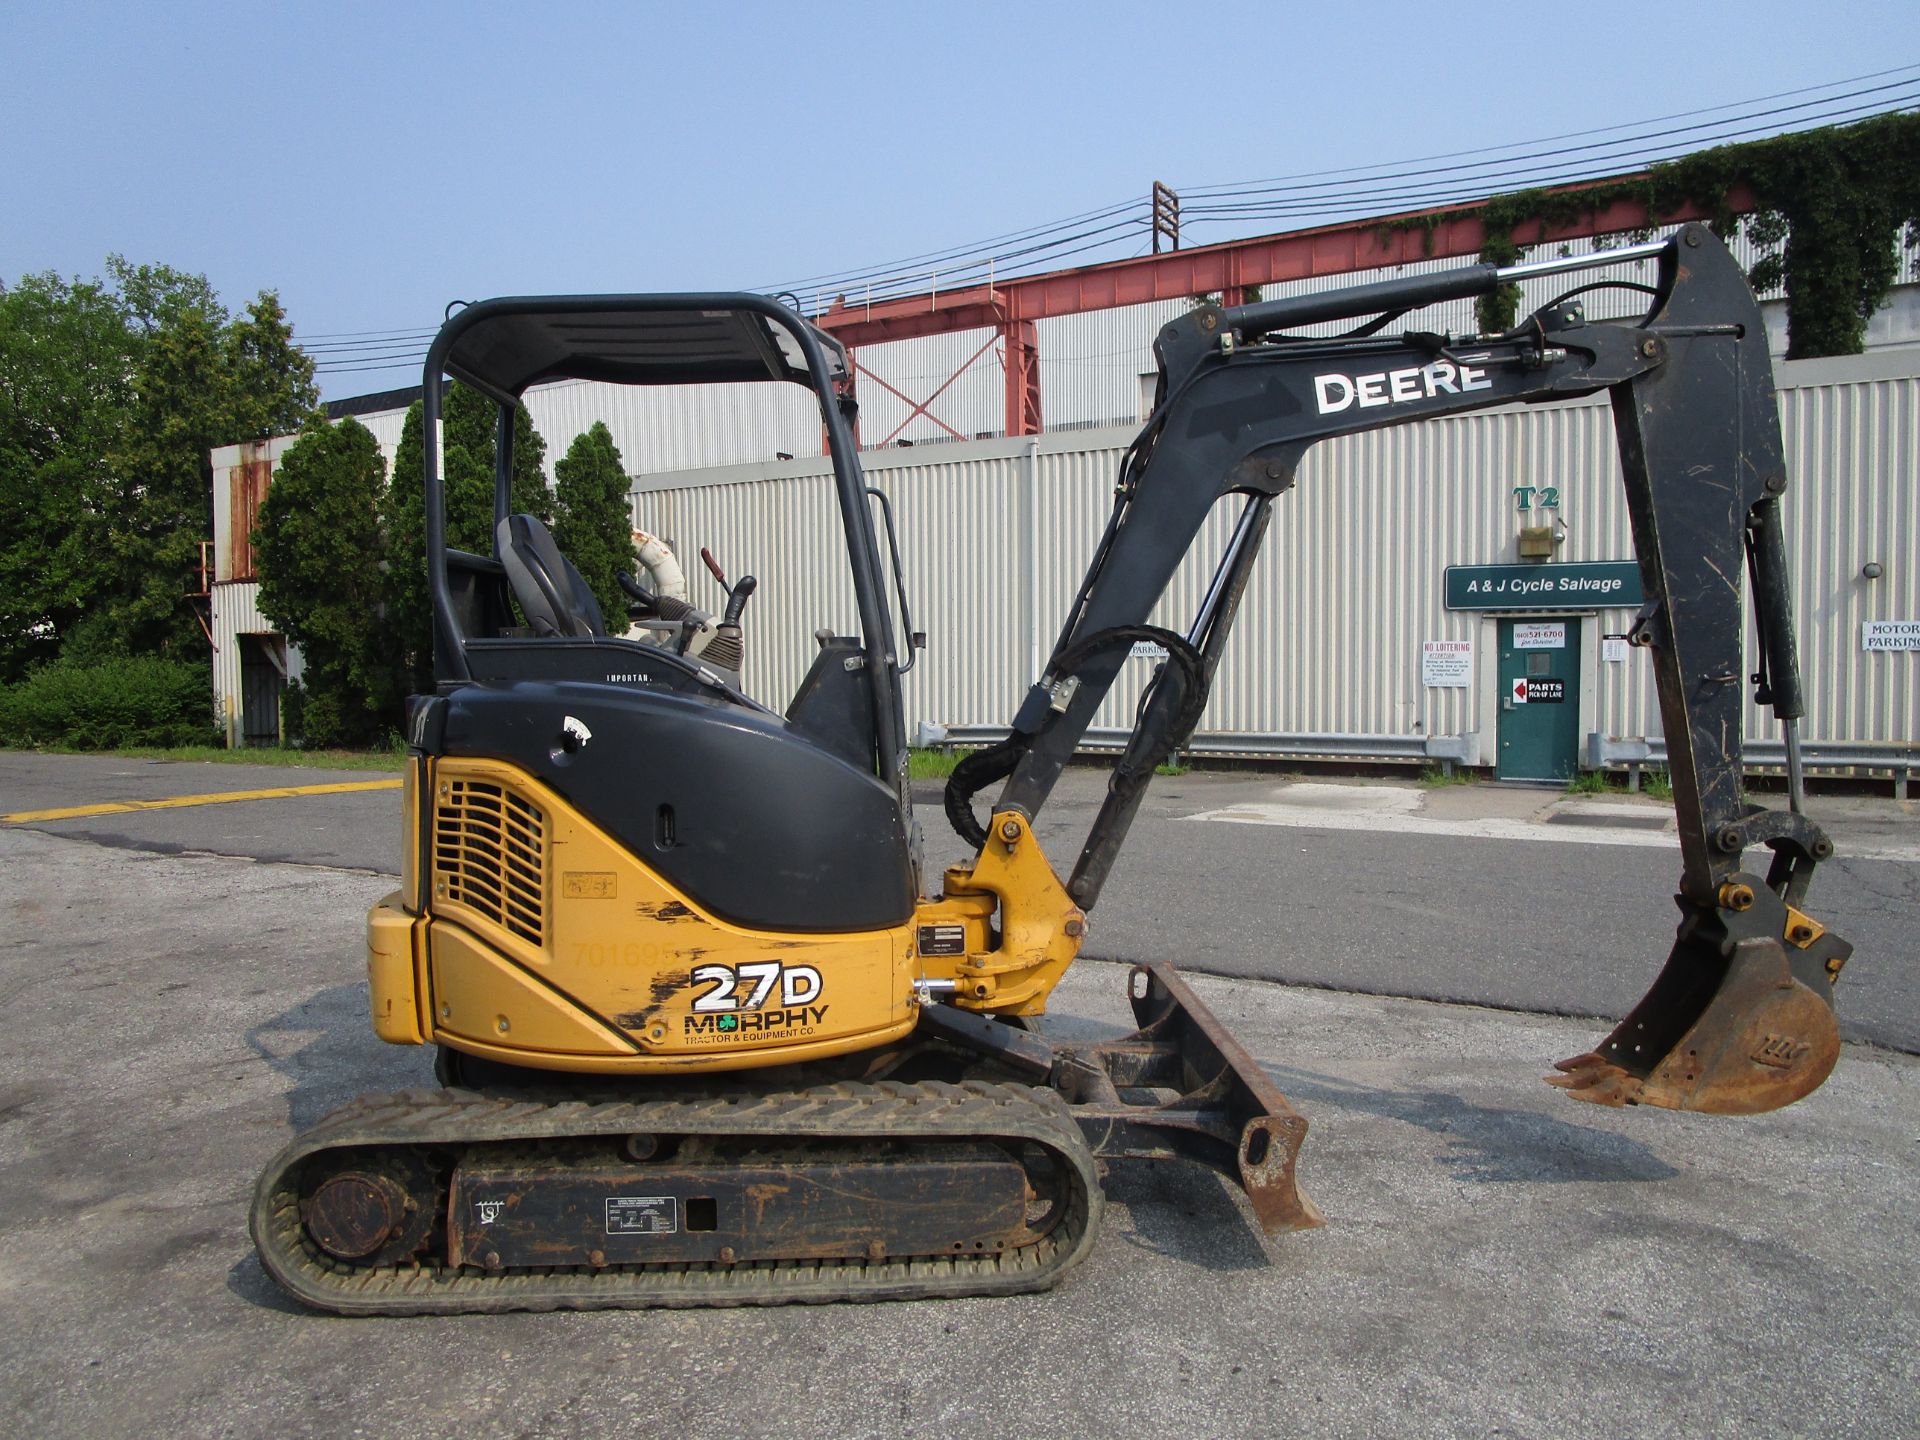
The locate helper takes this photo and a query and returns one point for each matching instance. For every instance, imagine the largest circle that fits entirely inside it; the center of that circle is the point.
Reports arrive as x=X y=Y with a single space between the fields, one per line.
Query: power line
x=1710 y=134
x=1570 y=135
x=1328 y=193
x=1363 y=188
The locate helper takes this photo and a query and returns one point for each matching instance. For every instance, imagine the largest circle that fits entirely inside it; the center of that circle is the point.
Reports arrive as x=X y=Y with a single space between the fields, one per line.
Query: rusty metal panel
x=241 y=474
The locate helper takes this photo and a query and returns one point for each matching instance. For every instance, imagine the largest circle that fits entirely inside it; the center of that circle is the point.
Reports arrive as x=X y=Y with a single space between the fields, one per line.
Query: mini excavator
x=703 y=1039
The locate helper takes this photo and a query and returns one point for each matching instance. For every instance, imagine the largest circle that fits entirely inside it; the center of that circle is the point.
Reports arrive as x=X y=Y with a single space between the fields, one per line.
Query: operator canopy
x=503 y=346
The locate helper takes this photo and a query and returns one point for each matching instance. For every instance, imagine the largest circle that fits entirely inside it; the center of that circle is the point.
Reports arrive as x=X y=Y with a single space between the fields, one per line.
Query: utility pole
x=1166 y=217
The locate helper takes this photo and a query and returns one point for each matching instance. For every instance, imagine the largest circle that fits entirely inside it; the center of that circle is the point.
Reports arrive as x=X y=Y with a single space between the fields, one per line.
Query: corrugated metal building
x=1327 y=657
x=251 y=661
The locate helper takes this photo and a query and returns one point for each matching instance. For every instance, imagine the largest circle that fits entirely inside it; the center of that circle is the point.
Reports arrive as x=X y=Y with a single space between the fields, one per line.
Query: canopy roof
x=504 y=346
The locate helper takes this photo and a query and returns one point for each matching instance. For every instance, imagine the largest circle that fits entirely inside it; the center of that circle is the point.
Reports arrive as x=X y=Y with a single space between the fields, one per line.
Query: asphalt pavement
x=1511 y=897
x=1497 y=1260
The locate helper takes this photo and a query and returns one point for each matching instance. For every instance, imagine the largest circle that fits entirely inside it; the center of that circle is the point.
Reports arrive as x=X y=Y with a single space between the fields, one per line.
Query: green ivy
x=1836 y=206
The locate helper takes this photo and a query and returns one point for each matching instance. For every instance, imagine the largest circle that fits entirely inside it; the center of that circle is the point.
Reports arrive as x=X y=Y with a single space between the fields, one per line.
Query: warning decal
x=649 y=1215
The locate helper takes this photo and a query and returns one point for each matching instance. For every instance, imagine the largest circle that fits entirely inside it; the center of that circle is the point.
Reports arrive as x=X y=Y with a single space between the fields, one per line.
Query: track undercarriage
x=478 y=1200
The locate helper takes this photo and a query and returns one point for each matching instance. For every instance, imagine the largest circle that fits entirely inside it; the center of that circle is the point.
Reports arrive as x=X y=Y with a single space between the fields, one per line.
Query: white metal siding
x=996 y=534
x=236 y=612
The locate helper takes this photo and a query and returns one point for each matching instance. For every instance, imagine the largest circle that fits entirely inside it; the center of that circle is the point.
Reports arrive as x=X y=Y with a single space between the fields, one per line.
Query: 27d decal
x=750 y=986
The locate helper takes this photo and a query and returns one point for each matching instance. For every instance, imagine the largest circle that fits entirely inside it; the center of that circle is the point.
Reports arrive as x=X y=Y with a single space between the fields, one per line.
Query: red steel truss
x=1010 y=307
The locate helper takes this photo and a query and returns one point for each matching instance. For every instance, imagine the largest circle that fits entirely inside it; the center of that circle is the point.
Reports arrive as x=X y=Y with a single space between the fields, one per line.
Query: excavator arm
x=1741 y=1018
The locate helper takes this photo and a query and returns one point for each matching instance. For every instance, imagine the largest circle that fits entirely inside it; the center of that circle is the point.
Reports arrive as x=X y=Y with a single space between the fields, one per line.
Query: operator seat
x=553 y=595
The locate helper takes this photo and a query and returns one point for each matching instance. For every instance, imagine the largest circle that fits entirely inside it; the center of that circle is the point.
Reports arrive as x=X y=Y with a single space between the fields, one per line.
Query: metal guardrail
x=1900 y=758
x=1278 y=747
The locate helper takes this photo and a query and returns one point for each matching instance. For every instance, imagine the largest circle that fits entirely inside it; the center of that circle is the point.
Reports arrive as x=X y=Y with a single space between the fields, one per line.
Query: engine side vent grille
x=489 y=854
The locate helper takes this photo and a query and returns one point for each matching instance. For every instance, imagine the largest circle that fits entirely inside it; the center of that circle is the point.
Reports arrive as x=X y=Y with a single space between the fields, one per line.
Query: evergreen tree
x=162 y=506
x=466 y=467
x=322 y=579
x=593 y=519
x=269 y=377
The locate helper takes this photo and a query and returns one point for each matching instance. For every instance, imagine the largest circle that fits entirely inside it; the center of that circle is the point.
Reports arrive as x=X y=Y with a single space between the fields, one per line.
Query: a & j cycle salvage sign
x=1594 y=585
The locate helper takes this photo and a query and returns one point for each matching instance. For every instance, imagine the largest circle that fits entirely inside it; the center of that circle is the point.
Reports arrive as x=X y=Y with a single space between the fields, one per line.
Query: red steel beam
x=1228 y=267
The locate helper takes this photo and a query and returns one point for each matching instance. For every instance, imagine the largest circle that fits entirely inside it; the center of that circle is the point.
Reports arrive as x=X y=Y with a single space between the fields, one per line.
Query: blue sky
x=373 y=162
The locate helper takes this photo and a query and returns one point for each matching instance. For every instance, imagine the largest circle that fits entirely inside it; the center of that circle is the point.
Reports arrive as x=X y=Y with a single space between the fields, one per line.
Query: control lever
x=737 y=599
x=737 y=595
x=691 y=624
x=645 y=602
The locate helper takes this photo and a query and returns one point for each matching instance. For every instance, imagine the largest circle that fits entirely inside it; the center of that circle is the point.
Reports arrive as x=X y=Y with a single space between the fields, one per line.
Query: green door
x=1539 y=699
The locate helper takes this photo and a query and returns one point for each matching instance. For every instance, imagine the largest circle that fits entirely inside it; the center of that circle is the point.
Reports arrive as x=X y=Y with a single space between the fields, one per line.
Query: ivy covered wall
x=1836 y=208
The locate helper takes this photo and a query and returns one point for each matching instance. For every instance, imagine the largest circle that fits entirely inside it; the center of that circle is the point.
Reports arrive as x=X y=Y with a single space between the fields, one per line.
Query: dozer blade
x=1181 y=1087
x=1738 y=1023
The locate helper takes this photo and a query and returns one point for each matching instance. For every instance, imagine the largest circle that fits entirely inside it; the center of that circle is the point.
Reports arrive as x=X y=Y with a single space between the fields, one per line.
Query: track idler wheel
x=372 y=1210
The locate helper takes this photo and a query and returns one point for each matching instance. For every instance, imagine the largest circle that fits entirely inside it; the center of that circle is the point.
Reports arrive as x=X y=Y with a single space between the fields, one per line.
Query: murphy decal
x=733 y=1005
x=794 y=1024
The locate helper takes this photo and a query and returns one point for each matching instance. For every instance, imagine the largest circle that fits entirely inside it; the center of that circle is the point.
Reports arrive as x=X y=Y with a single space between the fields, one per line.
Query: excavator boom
x=1741 y=1018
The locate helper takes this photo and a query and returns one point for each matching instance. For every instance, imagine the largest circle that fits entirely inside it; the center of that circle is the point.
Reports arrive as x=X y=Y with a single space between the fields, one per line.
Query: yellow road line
x=174 y=802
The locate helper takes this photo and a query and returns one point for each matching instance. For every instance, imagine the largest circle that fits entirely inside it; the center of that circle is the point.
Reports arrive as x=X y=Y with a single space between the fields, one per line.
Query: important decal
x=794 y=1024
x=734 y=1003
x=1334 y=392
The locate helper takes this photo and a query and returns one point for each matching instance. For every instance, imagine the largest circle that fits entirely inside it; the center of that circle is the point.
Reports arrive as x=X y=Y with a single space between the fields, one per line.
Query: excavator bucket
x=1739 y=1022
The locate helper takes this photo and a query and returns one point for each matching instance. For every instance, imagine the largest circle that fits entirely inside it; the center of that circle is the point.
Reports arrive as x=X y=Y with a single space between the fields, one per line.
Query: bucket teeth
x=1597 y=1080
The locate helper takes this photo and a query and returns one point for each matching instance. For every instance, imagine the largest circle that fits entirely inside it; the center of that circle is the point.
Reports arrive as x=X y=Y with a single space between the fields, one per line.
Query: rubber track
x=835 y=1112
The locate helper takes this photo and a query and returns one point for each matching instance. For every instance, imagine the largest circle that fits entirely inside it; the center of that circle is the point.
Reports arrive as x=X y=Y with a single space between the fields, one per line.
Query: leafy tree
x=154 y=297
x=322 y=582
x=111 y=393
x=66 y=370
x=162 y=504
x=593 y=519
x=466 y=466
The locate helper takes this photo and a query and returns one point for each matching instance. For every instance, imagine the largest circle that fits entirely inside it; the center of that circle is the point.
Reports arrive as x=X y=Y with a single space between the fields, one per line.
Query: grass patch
x=932 y=764
x=1654 y=784
x=1433 y=777
x=392 y=761
x=1171 y=769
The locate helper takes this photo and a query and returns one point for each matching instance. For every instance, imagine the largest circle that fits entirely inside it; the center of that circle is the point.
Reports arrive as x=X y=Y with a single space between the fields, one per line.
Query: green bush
x=105 y=704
